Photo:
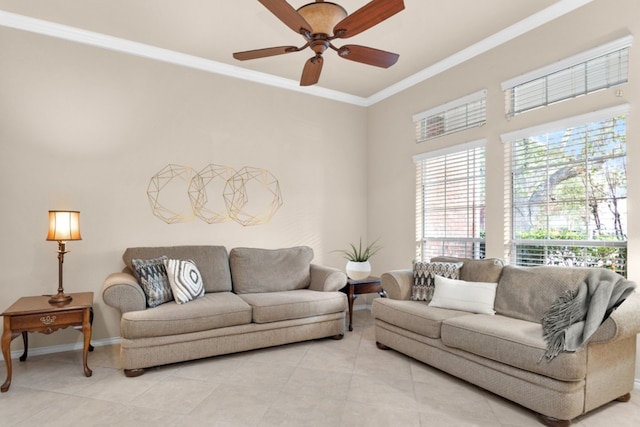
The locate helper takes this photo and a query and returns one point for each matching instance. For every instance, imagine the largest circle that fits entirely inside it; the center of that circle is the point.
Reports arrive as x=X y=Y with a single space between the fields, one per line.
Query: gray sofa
x=506 y=352
x=253 y=298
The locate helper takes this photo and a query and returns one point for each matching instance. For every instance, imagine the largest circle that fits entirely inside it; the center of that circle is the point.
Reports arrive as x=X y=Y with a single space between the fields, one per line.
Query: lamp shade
x=64 y=225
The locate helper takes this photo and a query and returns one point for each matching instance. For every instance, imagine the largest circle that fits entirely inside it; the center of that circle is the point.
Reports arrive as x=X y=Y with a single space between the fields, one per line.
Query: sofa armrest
x=326 y=279
x=398 y=283
x=122 y=291
x=624 y=322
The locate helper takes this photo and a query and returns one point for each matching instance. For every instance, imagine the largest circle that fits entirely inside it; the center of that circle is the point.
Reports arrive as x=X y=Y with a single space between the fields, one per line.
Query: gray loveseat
x=253 y=298
x=506 y=352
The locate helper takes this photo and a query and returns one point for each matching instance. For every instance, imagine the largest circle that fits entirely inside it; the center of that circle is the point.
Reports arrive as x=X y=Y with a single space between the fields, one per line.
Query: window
x=454 y=116
x=600 y=68
x=450 y=202
x=566 y=192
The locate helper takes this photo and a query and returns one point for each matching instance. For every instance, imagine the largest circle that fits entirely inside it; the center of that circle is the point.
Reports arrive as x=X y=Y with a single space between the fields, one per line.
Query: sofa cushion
x=212 y=261
x=527 y=292
x=514 y=342
x=270 y=270
x=296 y=304
x=415 y=316
x=423 y=277
x=185 y=280
x=152 y=277
x=476 y=270
x=475 y=297
x=213 y=310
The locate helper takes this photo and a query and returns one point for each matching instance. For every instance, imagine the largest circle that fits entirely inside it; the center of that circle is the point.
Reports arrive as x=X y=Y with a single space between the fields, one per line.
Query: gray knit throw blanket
x=579 y=312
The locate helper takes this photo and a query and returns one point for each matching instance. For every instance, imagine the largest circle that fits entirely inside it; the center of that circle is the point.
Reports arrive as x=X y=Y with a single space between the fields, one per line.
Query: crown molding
x=65 y=32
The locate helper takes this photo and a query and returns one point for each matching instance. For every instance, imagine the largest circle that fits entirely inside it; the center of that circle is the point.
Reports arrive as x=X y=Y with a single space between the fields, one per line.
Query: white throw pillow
x=185 y=280
x=476 y=297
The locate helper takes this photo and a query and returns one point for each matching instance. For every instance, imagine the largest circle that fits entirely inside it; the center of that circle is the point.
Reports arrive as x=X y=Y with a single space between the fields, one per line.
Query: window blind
x=450 y=202
x=590 y=71
x=454 y=116
x=566 y=193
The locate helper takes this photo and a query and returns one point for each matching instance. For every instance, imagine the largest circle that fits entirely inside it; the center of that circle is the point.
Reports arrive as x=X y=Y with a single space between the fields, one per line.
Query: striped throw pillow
x=185 y=280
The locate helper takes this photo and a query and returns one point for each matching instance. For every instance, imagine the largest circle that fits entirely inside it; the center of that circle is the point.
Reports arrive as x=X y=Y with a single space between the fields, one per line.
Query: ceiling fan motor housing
x=322 y=16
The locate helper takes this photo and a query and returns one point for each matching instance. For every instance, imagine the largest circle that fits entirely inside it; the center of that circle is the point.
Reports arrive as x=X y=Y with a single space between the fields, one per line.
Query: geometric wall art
x=215 y=194
x=252 y=196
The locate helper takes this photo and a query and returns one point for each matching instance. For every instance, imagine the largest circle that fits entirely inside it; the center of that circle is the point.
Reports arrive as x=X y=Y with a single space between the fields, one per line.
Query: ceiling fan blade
x=368 y=55
x=287 y=14
x=263 y=53
x=366 y=17
x=311 y=71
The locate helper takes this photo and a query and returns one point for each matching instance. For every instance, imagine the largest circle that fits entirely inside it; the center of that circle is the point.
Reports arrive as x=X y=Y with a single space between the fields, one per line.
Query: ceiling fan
x=320 y=23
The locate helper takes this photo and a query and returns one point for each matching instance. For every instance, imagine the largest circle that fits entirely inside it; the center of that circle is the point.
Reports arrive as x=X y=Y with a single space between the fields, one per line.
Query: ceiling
x=429 y=35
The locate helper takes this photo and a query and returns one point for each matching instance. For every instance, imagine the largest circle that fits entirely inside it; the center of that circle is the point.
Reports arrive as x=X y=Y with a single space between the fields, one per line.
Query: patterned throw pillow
x=423 y=277
x=152 y=275
x=185 y=280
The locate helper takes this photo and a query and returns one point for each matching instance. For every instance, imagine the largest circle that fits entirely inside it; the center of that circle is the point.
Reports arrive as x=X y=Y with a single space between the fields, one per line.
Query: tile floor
x=320 y=383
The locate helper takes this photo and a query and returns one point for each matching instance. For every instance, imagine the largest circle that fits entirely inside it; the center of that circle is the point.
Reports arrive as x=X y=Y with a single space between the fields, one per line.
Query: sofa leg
x=625 y=398
x=338 y=337
x=382 y=346
x=130 y=373
x=553 y=422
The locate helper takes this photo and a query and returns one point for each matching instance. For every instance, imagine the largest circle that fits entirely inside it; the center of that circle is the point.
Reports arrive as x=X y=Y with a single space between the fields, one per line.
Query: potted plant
x=358 y=266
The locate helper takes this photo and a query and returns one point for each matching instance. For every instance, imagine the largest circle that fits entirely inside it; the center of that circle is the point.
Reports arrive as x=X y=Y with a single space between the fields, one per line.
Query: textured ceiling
x=428 y=34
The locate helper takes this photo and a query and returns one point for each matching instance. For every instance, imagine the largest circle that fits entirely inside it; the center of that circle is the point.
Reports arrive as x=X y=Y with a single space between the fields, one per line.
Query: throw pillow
x=152 y=275
x=476 y=297
x=423 y=276
x=185 y=280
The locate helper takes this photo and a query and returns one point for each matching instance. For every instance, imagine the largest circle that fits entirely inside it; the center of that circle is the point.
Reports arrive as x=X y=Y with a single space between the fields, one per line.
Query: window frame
x=422 y=238
x=508 y=139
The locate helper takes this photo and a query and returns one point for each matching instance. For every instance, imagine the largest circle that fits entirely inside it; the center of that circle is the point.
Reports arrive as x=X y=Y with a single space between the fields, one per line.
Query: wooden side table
x=35 y=314
x=353 y=288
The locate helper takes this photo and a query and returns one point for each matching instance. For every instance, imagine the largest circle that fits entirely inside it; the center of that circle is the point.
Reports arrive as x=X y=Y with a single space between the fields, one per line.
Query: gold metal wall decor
x=237 y=198
x=249 y=196
x=199 y=193
x=164 y=191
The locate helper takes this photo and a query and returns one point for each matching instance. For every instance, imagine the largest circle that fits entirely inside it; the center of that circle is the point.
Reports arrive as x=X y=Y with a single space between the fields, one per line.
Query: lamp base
x=60 y=299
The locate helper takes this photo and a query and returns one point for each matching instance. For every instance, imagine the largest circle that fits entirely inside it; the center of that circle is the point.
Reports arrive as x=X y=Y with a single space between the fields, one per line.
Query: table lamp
x=63 y=226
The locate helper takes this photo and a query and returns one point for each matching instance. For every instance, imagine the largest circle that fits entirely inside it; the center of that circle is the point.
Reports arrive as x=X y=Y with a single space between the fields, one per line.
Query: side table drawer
x=44 y=322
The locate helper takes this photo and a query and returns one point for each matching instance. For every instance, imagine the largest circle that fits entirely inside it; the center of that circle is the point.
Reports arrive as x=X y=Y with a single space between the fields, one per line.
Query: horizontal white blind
x=454 y=116
x=600 y=68
x=566 y=196
x=450 y=204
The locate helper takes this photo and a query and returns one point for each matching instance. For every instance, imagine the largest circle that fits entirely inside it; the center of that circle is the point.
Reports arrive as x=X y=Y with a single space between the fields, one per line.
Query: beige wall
x=391 y=193
x=85 y=128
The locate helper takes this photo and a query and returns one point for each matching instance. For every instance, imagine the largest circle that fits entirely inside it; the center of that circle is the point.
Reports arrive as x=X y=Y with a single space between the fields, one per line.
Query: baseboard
x=38 y=351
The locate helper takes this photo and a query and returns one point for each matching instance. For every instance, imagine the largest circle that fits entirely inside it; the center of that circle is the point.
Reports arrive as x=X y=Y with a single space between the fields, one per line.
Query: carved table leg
x=6 y=351
x=25 y=342
x=351 y=298
x=86 y=331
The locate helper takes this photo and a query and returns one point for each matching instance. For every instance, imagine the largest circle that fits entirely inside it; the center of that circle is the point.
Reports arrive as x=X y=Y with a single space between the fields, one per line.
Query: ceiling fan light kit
x=323 y=16
x=320 y=23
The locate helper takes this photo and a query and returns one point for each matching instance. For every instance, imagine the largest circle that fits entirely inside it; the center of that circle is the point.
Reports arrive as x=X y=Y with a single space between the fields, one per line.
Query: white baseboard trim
x=39 y=351
x=636 y=382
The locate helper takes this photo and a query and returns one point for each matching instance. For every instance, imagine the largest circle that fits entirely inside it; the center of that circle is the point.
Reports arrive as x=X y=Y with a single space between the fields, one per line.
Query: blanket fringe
x=562 y=314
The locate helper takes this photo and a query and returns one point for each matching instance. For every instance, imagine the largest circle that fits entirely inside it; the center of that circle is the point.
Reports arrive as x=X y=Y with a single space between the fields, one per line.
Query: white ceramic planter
x=358 y=270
